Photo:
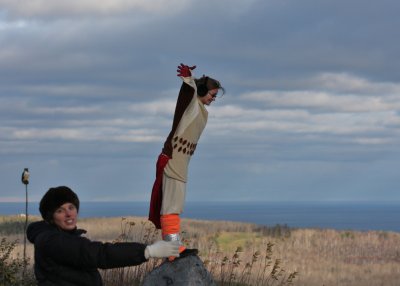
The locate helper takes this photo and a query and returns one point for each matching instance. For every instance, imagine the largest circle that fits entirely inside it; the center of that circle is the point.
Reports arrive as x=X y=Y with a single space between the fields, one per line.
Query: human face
x=65 y=217
x=209 y=97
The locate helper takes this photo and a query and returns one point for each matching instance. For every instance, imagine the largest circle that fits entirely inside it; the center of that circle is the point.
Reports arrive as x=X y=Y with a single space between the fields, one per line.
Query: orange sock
x=170 y=224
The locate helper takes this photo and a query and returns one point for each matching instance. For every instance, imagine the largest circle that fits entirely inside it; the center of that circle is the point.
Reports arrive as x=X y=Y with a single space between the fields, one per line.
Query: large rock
x=186 y=271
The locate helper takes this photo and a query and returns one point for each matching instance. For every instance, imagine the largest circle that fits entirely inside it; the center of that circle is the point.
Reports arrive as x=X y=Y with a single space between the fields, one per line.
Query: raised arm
x=184 y=70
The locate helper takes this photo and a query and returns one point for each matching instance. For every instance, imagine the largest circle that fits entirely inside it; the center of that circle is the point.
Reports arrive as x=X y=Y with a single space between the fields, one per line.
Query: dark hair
x=54 y=198
x=205 y=83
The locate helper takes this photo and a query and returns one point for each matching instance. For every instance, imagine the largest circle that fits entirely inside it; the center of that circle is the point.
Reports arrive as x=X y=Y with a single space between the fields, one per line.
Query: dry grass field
x=246 y=251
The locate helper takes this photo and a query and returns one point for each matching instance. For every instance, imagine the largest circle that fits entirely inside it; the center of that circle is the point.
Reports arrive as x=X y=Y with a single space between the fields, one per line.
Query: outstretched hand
x=185 y=71
x=161 y=249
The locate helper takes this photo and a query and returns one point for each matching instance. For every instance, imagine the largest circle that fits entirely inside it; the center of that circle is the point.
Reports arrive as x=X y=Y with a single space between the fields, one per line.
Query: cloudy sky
x=311 y=112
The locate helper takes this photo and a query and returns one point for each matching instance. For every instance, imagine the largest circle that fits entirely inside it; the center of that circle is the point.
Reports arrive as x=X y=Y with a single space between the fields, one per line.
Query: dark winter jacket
x=67 y=258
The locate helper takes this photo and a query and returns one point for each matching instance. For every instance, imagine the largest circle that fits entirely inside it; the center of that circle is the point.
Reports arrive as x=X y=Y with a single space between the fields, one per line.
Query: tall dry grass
x=241 y=252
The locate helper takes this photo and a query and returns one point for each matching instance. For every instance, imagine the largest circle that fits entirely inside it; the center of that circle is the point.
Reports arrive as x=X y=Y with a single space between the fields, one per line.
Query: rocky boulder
x=186 y=271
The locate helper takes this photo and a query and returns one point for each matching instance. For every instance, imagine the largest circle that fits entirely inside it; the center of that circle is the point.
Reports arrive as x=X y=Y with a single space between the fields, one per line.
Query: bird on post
x=25 y=176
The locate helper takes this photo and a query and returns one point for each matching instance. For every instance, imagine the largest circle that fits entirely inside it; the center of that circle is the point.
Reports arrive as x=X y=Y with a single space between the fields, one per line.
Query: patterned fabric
x=189 y=126
x=190 y=119
x=183 y=145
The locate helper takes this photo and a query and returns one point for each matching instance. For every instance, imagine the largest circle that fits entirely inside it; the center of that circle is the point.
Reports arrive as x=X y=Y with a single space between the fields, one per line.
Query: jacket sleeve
x=186 y=94
x=80 y=252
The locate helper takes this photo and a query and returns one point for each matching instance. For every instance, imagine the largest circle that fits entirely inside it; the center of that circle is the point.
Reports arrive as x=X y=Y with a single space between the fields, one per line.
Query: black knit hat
x=54 y=198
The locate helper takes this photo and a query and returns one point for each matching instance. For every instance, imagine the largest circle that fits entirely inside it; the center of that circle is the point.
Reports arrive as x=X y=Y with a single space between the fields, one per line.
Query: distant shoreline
x=381 y=216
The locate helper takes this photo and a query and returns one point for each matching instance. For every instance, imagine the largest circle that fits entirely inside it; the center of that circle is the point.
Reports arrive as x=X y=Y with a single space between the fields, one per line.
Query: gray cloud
x=87 y=94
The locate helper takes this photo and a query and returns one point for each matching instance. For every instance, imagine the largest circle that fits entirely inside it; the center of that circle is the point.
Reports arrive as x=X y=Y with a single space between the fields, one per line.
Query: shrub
x=13 y=271
x=277 y=231
x=260 y=270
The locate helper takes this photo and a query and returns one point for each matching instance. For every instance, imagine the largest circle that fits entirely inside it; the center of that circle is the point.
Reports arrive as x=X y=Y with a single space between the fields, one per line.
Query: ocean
x=361 y=216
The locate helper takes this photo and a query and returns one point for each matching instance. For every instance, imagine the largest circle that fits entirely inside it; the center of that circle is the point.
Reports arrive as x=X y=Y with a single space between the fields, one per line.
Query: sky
x=311 y=110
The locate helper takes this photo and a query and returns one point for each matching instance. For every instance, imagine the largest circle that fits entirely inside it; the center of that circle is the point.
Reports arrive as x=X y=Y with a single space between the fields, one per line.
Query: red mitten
x=184 y=70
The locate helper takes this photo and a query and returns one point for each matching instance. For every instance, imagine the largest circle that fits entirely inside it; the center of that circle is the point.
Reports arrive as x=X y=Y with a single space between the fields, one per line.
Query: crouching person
x=64 y=257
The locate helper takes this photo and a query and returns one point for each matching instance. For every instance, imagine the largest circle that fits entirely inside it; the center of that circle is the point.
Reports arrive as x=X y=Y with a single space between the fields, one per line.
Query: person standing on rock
x=63 y=256
x=190 y=118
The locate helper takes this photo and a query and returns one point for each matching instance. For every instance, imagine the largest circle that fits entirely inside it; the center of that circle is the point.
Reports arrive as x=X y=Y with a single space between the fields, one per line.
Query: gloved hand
x=184 y=70
x=161 y=249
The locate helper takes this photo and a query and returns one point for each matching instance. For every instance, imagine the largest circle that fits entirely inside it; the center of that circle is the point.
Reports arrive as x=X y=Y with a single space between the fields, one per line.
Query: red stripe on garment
x=156 y=193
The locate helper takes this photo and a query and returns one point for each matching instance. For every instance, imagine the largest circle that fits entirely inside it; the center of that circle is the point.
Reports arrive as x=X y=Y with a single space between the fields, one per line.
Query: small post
x=25 y=181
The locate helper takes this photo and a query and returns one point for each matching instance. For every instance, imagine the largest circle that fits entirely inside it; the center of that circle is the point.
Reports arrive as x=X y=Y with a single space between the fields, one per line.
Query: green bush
x=13 y=271
x=277 y=231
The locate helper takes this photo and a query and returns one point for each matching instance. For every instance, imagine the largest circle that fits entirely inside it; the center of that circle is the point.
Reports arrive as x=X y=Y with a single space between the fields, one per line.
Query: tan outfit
x=183 y=142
